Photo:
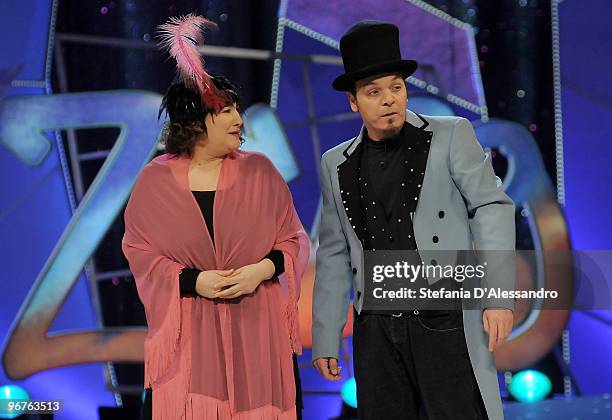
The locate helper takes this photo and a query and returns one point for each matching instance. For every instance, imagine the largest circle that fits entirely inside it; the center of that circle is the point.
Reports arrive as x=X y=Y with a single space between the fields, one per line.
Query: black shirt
x=387 y=184
x=384 y=163
x=189 y=276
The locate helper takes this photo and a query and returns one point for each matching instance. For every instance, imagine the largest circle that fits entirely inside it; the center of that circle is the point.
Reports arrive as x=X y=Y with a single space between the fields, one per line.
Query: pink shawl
x=216 y=359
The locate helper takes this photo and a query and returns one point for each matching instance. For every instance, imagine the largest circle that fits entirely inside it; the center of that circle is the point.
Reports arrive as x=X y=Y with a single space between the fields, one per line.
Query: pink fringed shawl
x=216 y=359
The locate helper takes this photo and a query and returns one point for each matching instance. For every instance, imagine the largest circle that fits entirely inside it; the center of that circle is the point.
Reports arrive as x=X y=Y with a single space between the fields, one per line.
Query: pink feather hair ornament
x=180 y=36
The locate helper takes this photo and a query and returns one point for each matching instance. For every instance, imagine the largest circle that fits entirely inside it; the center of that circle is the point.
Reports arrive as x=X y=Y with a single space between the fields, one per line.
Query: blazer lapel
x=348 y=174
x=416 y=153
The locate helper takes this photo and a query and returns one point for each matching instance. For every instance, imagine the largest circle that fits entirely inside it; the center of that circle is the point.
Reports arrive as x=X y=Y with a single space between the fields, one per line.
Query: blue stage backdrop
x=35 y=207
x=586 y=89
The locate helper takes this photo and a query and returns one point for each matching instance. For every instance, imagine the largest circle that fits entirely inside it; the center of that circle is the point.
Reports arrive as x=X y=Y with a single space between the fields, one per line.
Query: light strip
x=48 y=88
x=554 y=12
x=29 y=83
x=312 y=33
x=280 y=36
x=560 y=167
x=440 y=14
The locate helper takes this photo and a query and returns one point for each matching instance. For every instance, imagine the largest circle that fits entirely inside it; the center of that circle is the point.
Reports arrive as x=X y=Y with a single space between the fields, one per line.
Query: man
x=407 y=182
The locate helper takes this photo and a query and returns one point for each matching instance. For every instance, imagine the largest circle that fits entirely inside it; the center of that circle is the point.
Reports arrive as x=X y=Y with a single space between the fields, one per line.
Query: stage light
x=530 y=386
x=349 y=393
x=11 y=392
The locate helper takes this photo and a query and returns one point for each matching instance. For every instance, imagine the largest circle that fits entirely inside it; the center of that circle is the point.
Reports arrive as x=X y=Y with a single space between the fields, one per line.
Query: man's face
x=381 y=102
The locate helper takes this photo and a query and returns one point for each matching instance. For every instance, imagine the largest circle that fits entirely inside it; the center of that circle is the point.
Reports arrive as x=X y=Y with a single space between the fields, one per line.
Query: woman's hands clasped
x=230 y=284
x=209 y=282
x=245 y=280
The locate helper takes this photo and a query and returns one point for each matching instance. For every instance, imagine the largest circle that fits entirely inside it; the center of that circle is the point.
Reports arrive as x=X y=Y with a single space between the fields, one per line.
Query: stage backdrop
x=35 y=206
x=37 y=202
x=586 y=118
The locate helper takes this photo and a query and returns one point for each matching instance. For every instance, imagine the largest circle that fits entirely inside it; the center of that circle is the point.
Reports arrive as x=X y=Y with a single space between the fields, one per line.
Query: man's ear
x=352 y=102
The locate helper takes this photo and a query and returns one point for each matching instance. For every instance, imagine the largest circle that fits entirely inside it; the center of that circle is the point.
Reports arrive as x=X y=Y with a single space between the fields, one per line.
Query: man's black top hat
x=369 y=48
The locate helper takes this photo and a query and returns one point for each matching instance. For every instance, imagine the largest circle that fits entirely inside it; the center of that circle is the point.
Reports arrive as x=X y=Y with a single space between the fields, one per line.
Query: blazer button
x=441 y=214
x=435 y=239
x=354 y=271
x=434 y=262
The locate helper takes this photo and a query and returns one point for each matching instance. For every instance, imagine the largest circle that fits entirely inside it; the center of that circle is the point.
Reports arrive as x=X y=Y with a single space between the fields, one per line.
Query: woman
x=217 y=252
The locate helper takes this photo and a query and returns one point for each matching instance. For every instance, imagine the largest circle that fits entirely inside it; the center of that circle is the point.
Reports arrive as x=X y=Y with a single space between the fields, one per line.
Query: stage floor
x=319 y=407
x=581 y=408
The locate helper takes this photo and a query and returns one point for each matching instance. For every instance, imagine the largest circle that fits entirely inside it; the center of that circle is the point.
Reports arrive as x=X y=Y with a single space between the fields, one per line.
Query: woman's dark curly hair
x=186 y=113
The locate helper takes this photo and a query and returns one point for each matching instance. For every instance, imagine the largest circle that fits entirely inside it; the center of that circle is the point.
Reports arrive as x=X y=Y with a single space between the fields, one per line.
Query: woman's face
x=223 y=130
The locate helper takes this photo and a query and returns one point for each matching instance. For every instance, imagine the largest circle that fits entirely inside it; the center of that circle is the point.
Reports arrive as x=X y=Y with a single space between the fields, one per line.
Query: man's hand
x=498 y=324
x=209 y=282
x=245 y=280
x=328 y=368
